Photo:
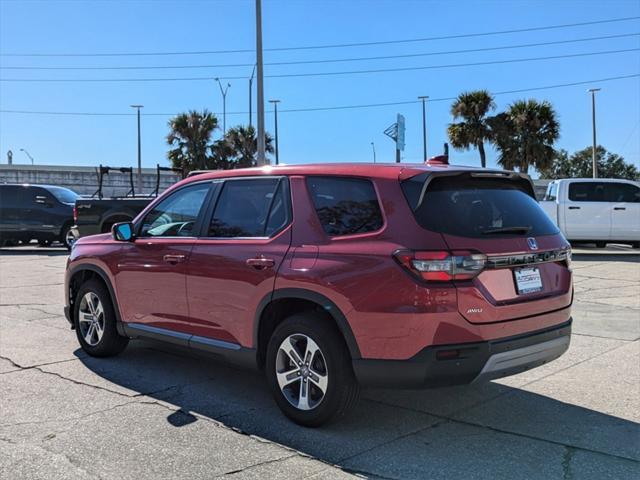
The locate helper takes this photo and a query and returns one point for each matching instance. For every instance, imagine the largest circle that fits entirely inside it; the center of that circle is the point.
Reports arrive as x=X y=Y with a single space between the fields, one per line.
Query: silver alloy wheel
x=91 y=319
x=301 y=370
x=69 y=238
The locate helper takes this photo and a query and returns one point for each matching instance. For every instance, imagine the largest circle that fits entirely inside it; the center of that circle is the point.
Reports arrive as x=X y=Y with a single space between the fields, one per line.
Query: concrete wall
x=84 y=180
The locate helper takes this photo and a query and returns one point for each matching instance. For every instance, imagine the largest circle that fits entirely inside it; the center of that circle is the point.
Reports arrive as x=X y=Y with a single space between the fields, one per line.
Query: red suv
x=331 y=277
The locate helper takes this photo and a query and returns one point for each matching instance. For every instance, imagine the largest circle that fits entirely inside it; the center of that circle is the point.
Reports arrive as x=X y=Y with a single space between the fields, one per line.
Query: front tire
x=95 y=321
x=309 y=371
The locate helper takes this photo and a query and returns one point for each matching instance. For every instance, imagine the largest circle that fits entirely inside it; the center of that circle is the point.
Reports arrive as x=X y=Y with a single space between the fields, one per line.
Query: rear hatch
x=512 y=260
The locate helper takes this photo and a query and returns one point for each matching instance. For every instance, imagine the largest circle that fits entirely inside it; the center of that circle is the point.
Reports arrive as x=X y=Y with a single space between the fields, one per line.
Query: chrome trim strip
x=534 y=258
x=159 y=331
x=214 y=343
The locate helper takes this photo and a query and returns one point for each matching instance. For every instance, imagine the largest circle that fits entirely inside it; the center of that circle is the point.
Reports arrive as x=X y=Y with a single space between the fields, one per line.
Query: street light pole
x=138 y=107
x=275 y=112
x=593 y=125
x=424 y=99
x=224 y=91
x=27 y=154
x=251 y=95
x=261 y=160
x=373 y=147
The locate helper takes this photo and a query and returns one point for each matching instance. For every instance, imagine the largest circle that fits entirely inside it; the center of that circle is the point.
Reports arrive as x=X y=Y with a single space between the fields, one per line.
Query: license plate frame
x=527 y=280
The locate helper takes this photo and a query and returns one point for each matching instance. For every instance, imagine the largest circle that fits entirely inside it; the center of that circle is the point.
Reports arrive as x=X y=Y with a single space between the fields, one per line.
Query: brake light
x=440 y=266
x=75 y=215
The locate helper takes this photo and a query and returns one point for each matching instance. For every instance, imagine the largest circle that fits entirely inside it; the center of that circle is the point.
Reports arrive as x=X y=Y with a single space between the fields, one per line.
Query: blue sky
x=321 y=136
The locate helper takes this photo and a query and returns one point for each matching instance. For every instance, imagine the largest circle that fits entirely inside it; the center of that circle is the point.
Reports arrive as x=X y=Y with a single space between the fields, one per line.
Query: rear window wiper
x=523 y=230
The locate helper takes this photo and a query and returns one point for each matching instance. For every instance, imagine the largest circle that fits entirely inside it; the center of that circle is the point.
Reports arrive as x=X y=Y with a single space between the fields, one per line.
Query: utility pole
x=593 y=124
x=424 y=99
x=138 y=107
x=373 y=147
x=27 y=154
x=261 y=160
x=251 y=95
x=224 y=91
x=275 y=112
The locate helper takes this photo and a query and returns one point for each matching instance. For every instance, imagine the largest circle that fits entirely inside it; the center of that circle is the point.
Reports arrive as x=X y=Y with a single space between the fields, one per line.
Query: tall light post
x=224 y=91
x=261 y=160
x=593 y=126
x=27 y=154
x=424 y=99
x=373 y=147
x=275 y=113
x=138 y=107
x=251 y=95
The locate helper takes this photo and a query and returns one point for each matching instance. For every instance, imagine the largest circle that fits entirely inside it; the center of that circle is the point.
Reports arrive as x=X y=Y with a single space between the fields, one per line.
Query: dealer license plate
x=528 y=280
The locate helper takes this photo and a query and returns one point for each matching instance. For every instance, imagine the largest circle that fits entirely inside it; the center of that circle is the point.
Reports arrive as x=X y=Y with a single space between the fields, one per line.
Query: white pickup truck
x=595 y=209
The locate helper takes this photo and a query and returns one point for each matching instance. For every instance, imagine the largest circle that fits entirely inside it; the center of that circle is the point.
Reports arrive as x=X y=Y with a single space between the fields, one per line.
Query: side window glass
x=249 y=208
x=345 y=206
x=587 y=192
x=176 y=215
x=624 y=192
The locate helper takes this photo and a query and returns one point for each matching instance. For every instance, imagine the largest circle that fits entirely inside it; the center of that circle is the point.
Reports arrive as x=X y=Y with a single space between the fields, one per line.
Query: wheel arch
x=115 y=216
x=82 y=273
x=275 y=307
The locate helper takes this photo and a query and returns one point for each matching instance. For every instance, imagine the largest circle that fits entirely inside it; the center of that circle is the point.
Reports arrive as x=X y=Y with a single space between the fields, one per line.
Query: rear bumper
x=481 y=361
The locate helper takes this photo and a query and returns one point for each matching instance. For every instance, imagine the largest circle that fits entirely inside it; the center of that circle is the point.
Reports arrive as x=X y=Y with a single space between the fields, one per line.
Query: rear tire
x=323 y=362
x=95 y=321
x=67 y=238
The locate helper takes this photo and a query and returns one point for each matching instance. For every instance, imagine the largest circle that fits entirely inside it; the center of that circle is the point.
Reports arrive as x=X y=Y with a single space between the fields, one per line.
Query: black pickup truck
x=98 y=214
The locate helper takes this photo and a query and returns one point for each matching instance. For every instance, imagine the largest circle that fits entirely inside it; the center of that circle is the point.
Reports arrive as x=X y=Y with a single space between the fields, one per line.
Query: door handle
x=260 y=263
x=574 y=208
x=619 y=208
x=173 y=259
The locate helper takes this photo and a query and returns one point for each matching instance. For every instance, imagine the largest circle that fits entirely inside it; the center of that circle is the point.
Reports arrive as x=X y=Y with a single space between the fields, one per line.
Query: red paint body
x=213 y=292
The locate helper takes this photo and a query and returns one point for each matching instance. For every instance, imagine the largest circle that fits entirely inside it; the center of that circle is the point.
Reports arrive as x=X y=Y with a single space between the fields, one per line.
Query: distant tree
x=579 y=165
x=524 y=135
x=242 y=144
x=191 y=136
x=474 y=129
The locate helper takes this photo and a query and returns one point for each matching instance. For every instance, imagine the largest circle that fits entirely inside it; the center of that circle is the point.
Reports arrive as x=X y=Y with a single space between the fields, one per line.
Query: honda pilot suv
x=333 y=277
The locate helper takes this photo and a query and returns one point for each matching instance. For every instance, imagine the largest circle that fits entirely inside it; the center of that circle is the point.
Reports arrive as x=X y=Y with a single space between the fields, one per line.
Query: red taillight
x=75 y=215
x=441 y=266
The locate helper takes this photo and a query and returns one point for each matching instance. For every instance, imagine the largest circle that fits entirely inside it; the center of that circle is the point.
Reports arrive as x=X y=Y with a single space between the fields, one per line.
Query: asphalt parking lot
x=155 y=412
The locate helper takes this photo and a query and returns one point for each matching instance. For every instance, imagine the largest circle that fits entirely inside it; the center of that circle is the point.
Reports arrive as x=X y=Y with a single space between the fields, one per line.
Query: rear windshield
x=64 y=195
x=465 y=206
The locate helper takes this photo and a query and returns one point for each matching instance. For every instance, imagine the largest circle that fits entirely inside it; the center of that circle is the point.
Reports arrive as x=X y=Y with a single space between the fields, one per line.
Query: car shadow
x=391 y=433
x=34 y=250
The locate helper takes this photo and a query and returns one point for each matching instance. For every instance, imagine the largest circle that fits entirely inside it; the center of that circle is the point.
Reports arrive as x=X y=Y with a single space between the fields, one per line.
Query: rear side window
x=623 y=192
x=250 y=208
x=465 y=206
x=345 y=206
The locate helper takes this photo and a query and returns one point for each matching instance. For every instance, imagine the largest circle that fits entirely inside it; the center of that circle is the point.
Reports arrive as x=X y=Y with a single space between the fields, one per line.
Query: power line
x=322 y=74
x=334 y=60
x=338 y=107
x=336 y=45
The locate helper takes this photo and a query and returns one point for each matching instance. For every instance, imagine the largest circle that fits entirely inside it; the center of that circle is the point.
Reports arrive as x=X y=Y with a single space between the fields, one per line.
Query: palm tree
x=243 y=143
x=474 y=129
x=525 y=134
x=191 y=136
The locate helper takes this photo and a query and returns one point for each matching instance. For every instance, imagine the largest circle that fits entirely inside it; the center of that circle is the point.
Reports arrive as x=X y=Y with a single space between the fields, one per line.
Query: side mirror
x=122 y=232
